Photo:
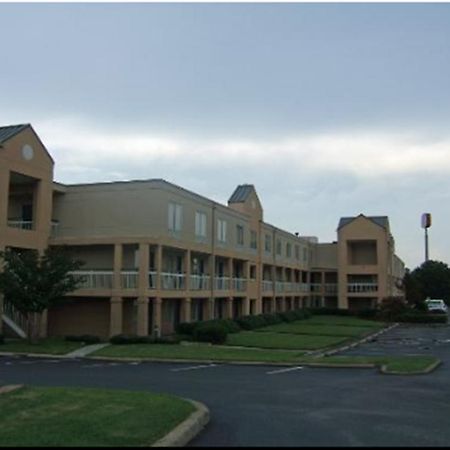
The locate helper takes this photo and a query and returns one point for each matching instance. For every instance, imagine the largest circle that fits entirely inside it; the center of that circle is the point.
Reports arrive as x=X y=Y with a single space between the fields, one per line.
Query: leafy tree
x=431 y=279
x=413 y=291
x=33 y=283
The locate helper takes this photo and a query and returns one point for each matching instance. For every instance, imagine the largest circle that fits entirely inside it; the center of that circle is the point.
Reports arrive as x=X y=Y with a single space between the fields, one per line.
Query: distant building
x=156 y=254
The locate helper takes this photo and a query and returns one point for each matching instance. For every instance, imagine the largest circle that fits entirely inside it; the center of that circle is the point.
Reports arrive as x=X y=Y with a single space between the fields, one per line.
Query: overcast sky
x=330 y=110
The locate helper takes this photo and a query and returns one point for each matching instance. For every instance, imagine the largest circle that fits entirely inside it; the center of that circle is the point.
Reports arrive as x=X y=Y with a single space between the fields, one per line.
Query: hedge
x=415 y=317
x=86 y=338
x=213 y=333
x=2 y=339
x=125 y=339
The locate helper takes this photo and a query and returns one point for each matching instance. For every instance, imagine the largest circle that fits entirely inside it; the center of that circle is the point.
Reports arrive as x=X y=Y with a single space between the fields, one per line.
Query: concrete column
x=229 y=308
x=208 y=309
x=186 y=305
x=116 y=316
x=230 y=272
x=42 y=207
x=246 y=306
x=187 y=268
x=157 y=316
x=158 y=266
x=118 y=257
x=142 y=316
x=144 y=252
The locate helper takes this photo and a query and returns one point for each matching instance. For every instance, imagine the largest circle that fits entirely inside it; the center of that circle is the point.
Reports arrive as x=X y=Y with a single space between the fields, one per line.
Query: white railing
x=331 y=288
x=129 y=279
x=239 y=284
x=305 y=287
x=94 y=279
x=362 y=287
x=21 y=224
x=152 y=279
x=222 y=283
x=267 y=286
x=199 y=282
x=288 y=286
x=279 y=286
x=316 y=287
x=172 y=281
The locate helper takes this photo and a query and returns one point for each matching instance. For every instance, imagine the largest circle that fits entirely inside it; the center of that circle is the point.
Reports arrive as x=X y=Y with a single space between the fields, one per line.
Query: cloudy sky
x=329 y=109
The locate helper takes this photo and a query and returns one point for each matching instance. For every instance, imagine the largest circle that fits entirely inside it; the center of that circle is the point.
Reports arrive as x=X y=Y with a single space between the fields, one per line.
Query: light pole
x=426 y=223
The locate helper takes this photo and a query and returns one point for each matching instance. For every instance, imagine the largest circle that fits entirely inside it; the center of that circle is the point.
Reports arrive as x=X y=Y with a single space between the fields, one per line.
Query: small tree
x=33 y=283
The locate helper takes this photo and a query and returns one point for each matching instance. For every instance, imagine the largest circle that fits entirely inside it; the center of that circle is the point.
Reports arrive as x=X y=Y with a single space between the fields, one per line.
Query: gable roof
x=9 y=131
x=241 y=193
x=382 y=221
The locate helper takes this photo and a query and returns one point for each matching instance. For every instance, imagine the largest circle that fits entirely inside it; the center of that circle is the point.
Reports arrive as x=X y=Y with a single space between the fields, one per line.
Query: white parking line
x=193 y=368
x=290 y=369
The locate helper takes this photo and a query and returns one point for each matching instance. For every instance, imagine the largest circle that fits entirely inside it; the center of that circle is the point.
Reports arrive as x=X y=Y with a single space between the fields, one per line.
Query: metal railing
x=21 y=224
x=94 y=279
x=152 y=279
x=222 y=283
x=362 y=287
x=173 y=281
x=199 y=282
x=129 y=279
x=331 y=288
x=239 y=284
x=267 y=286
x=315 y=287
x=279 y=286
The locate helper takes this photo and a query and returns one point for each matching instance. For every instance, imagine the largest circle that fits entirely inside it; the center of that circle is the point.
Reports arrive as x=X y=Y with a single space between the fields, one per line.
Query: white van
x=436 y=305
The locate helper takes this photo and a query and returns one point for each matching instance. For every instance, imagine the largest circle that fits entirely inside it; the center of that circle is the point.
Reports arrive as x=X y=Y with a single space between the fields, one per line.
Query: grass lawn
x=51 y=346
x=344 y=321
x=87 y=417
x=201 y=352
x=303 y=327
x=272 y=340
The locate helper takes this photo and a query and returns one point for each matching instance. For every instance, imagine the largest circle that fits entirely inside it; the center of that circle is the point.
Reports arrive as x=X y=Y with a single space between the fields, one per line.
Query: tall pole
x=426 y=244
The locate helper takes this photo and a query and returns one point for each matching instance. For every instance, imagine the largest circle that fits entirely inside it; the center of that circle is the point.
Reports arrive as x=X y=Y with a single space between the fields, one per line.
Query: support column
x=142 y=316
x=246 y=306
x=118 y=257
x=229 y=308
x=157 y=317
x=116 y=316
x=208 y=309
x=187 y=268
x=186 y=307
x=144 y=254
x=158 y=268
x=230 y=273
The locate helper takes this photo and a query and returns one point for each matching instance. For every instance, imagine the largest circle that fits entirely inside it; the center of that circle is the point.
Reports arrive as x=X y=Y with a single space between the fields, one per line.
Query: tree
x=431 y=279
x=33 y=283
x=413 y=291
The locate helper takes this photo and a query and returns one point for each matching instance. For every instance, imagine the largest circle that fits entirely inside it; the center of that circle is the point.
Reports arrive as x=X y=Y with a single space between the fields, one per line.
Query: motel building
x=156 y=254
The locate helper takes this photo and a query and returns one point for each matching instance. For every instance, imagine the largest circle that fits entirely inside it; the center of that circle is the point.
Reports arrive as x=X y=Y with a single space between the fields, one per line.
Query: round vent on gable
x=27 y=152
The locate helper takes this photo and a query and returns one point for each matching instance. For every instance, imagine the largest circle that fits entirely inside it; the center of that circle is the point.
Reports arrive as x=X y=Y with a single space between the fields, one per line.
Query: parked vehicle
x=436 y=305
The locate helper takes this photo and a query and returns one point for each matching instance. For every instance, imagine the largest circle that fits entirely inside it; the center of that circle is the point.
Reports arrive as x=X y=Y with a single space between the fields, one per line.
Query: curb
x=10 y=388
x=384 y=370
x=188 y=429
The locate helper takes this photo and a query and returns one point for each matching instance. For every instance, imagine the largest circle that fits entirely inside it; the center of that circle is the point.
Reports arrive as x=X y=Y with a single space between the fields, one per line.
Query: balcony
x=239 y=284
x=94 y=279
x=316 y=287
x=222 y=283
x=21 y=224
x=331 y=288
x=362 y=287
x=129 y=279
x=173 y=281
x=279 y=286
x=199 y=282
x=267 y=286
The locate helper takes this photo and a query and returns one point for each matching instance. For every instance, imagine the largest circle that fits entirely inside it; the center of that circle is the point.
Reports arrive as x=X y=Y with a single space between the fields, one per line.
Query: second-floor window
x=200 y=224
x=253 y=240
x=297 y=253
x=221 y=230
x=288 y=250
x=268 y=243
x=279 y=247
x=175 y=217
x=240 y=235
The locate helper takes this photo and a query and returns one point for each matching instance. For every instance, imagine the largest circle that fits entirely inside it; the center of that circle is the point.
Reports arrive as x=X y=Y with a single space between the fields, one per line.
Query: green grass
x=51 y=346
x=201 y=352
x=285 y=341
x=344 y=321
x=87 y=417
x=304 y=327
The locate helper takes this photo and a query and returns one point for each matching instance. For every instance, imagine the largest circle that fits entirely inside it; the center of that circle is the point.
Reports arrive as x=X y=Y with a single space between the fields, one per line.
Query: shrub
x=2 y=339
x=213 y=333
x=288 y=316
x=416 y=317
x=186 y=328
x=393 y=307
x=367 y=313
x=251 y=322
x=86 y=338
x=272 y=319
x=330 y=312
x=124 y=339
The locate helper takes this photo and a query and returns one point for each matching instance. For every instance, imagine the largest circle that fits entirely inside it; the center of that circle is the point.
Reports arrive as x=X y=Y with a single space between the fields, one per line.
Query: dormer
x=245 y=199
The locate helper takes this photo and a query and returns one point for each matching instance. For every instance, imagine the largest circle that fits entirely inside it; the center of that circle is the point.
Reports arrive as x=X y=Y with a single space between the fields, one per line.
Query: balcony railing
x=362 y=287
x=173 y=281
x=279 y=286
x=222 y=283
x=331 y=288
x=239 y=284
x=315 y=287
x=94 y=279
x=21 y=224
x=129 y=279
x=152 y=279
x=288 y=286
x=199 y=282
x=267 y=286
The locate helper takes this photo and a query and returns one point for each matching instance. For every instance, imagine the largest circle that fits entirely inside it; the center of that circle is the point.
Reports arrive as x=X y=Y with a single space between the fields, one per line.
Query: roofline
x=361 y=215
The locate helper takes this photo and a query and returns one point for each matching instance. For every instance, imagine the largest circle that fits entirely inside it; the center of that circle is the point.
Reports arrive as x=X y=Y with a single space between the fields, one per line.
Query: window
x=221 y=230
x=253 y=240
x=288 y=250
x=278 y=247
x=297 y=253
x=305 y=254
x=268 y=243
x=239 y=235
x=253 y=272
x=200 y=224
x=175 y=216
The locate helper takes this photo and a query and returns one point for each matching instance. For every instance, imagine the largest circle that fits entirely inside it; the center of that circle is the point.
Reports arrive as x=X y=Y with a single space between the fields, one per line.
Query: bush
x=251 y=322
x=330 y=312
x=213 y=333
x=86 y=338
x=416 y=317
x=186 y=328
x=393 y=307
x=367 y=313
x=2 y=339
x=125 y=339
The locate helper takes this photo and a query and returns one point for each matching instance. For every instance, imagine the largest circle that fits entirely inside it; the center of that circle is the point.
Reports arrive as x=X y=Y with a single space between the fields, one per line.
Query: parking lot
x=276 y=406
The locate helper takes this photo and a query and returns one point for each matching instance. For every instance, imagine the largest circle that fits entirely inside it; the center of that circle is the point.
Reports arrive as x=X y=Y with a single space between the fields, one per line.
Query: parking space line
x=290 y=369
x=194 y=368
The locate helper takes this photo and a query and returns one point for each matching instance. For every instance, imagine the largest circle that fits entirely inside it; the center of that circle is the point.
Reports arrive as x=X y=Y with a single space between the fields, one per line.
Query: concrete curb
x=188 y=429
x=10 y=388
x=384 y=370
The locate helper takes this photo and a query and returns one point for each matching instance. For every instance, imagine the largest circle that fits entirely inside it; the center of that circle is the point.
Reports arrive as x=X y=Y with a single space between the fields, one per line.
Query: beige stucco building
x=156 y=254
